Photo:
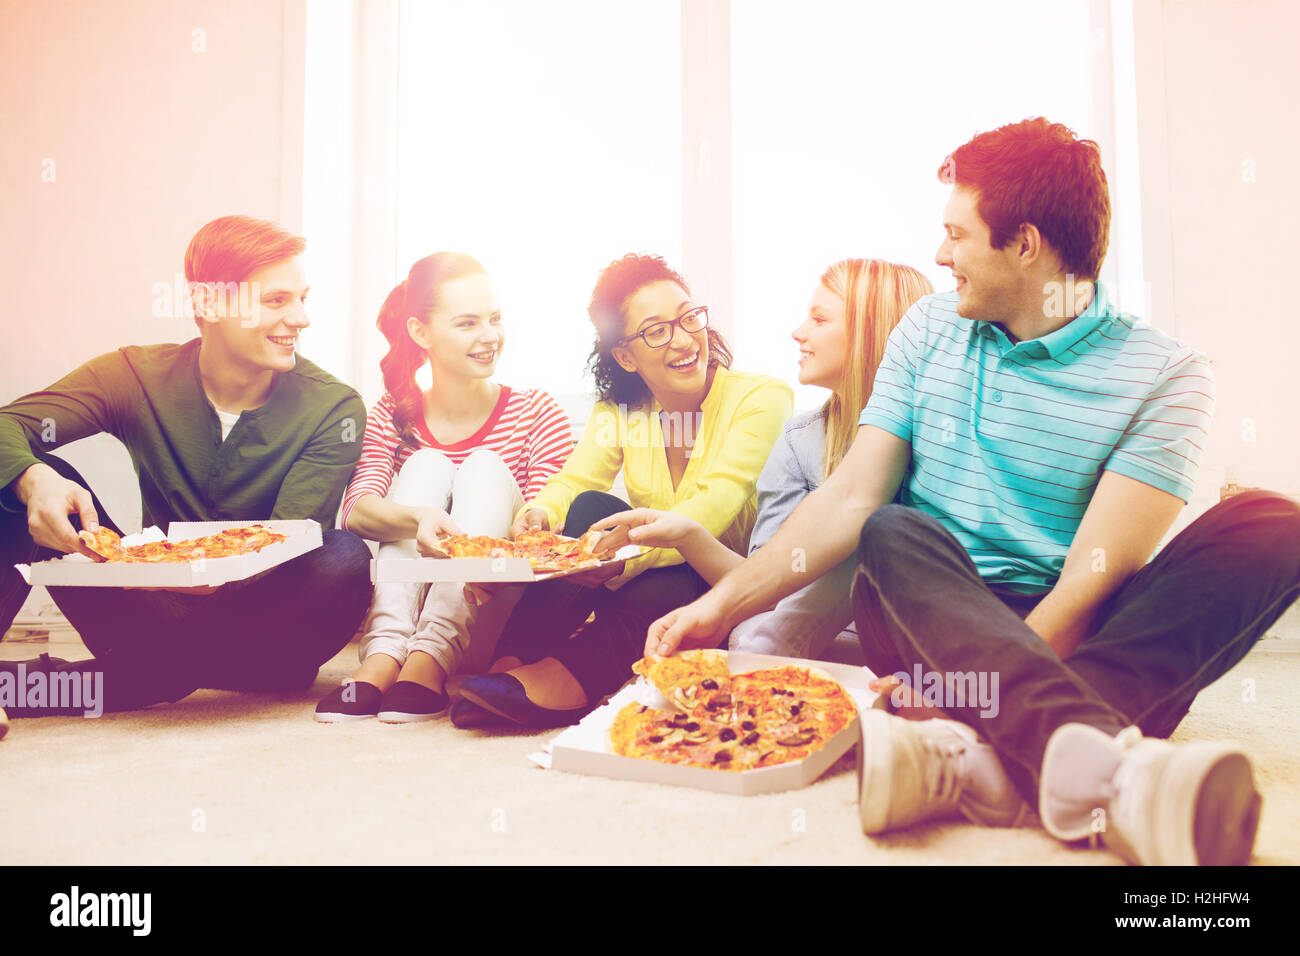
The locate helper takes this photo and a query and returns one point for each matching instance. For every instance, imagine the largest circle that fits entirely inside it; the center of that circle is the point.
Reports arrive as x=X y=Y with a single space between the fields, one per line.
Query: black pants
x=271 y=632
x=1175 y=627
x=601 y=654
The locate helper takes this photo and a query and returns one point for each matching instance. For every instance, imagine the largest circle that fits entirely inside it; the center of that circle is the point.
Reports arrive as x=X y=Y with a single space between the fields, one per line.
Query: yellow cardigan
x=739 y=422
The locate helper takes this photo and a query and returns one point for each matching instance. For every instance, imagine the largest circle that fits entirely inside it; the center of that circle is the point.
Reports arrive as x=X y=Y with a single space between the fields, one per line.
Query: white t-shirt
x=227 y=420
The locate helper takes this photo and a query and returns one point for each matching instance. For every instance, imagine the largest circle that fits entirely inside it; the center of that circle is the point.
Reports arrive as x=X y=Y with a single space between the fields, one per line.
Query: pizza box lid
x=585 y=747
x=503 y=570
x=77 y=570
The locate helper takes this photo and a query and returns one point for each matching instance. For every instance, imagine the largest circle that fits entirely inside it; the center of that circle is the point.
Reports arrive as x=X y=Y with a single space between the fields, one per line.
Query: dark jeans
x=601 y=654
x=271 y=632
x=1175 y=627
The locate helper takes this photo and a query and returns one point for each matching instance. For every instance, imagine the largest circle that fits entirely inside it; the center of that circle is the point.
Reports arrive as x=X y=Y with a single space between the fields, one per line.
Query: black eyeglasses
x=661 y=333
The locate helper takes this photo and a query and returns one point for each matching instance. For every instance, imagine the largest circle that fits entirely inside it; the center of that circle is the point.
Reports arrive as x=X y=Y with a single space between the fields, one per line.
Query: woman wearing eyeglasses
x=690 y=436
x=855 y=306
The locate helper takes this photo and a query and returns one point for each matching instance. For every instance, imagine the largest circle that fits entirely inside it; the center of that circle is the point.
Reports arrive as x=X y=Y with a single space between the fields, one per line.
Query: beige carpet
x=228 y=778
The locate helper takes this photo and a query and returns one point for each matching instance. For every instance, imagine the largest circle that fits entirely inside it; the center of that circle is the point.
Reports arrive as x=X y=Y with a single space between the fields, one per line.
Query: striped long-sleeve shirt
x=1009 y=439
x=526 y=428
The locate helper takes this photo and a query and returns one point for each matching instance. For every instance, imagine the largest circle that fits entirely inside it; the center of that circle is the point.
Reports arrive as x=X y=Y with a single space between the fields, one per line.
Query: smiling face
x=256 y=325
x=463 y=336
x=989 y=285
x=823 y=340
x=678 y=372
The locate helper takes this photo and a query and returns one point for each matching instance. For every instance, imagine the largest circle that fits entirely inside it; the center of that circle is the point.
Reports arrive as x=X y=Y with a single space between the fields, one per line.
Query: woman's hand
x=652 y=529
x=430 y=523
x=534 y=519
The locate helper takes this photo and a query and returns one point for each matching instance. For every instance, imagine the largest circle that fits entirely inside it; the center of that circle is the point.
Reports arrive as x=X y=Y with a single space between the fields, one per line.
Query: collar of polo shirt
x=1053 y=344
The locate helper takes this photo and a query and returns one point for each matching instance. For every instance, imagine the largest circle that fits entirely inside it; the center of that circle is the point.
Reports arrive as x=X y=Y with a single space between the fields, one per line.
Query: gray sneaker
x=1152 y=802
x=915 y=770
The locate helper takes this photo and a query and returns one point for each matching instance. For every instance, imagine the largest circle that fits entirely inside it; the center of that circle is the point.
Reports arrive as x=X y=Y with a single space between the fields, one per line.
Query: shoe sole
x=482 y=704
x=1218 y=827
x=875 y=771
x=397 y=717
x=340 y=718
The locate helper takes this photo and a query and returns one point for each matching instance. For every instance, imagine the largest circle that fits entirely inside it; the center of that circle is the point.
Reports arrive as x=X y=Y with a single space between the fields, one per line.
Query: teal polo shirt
x=1009 y=439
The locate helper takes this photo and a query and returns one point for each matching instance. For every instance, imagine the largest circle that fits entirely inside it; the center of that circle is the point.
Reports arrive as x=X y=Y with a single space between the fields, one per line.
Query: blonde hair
x=875 y=294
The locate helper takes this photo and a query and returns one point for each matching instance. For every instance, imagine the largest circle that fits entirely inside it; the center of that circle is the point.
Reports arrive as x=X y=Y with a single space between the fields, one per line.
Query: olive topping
x=747 y=725
x=750 y=739
x=727 y=734
x=722 y=756
x=795 y=708
x=691 y=727
x=709 y=684
x=751 y=711
x=656 y=739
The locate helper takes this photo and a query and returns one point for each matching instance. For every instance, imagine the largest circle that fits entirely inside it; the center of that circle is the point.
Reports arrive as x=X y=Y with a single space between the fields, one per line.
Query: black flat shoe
x=504 y=696
x=408 y=702
x=355 y=700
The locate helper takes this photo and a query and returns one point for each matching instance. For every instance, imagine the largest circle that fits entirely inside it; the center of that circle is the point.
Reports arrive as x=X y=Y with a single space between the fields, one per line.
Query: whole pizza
x=545 y=551
x=106 y=545
x=728 y=721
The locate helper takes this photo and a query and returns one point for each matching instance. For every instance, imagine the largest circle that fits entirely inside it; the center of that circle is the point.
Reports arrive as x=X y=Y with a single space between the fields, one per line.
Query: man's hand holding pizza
x=50 y=498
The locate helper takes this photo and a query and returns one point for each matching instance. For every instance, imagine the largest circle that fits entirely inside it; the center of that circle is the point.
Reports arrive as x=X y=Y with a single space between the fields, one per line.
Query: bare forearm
x=380 y=520
x=710 y=558
x=820 y=533
x=1064 y=618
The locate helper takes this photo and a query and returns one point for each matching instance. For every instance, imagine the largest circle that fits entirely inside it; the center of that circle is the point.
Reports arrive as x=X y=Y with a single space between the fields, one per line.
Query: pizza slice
x=104 y=544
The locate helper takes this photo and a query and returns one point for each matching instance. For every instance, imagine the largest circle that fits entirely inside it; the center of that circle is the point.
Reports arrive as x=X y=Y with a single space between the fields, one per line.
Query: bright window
x=842 y=115
x=545 y=141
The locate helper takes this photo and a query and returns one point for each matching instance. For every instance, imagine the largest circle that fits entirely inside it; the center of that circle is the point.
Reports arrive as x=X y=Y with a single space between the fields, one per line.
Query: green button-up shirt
x=290 y=458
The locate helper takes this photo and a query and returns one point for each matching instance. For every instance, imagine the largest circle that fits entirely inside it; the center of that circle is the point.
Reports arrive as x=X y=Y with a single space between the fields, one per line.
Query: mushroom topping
x=750 y=739
x=804 y=736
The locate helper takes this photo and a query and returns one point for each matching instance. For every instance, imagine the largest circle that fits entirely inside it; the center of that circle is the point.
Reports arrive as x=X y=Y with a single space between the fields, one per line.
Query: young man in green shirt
x=232 y=425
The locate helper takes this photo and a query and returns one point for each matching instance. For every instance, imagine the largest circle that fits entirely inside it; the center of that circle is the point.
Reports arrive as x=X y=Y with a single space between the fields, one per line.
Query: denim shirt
x=793 y=469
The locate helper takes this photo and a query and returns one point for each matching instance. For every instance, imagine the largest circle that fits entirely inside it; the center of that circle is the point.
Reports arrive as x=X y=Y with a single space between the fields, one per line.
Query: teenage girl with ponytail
x=461 y=457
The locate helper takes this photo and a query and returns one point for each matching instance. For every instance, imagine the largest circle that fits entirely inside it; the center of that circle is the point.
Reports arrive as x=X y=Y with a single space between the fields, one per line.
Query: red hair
x=232 y=248
x=1041 y=173
x=416 y=295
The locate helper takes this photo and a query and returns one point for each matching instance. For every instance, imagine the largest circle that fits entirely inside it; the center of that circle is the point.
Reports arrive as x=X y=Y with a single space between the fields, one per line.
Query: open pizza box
x=586 y=749
x=77 y=570
x=501 y=570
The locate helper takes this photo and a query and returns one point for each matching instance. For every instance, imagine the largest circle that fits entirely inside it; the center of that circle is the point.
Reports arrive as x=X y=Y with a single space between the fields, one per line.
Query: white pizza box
x=500 y=570
x=586 y=749
x=77 y=570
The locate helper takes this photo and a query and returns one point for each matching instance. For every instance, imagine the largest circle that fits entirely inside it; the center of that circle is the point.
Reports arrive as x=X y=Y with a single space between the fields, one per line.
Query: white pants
x=806 y=623
x=482 y=498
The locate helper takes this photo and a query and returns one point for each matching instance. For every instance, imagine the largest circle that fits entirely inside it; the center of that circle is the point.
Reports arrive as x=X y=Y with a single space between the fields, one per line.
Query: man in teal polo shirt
x=232 y=425
x=1025 y=449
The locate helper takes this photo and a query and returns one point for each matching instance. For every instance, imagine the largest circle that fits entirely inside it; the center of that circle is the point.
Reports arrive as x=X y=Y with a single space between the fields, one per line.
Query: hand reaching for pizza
x=50 y=498
x=702 y=623
x=534 y=519
x=652 y=529
x=431 y=523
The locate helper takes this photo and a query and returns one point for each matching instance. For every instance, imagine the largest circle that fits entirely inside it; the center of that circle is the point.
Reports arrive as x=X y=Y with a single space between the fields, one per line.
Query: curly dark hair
x=617 y=283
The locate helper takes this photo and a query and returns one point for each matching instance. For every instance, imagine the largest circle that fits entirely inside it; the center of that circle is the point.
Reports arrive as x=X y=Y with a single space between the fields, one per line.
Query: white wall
x=1216 y=85
x=127 y=126
x=152 y=130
